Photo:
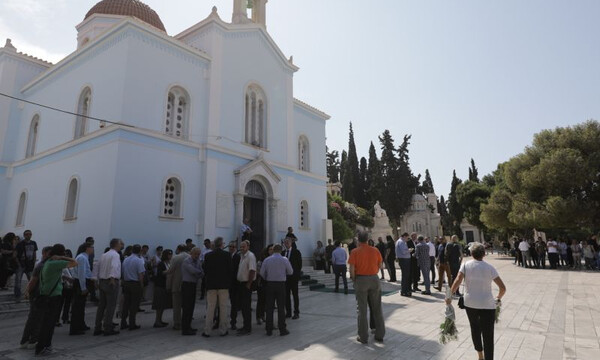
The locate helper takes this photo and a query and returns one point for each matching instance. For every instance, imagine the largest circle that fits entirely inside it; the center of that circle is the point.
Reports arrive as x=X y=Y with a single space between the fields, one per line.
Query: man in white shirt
x=246 y=275
x=552 y=253
x=524 y=248
x=109 y=273
x=431 y=258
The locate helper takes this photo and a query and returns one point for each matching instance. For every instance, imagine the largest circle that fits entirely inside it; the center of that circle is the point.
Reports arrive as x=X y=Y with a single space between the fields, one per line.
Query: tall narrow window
x=176 y=119
x=255 y=117
x=83 y=111
x=32 y=137
x=303 y=154
x=72 y=195
x=172 y=198
x=304 y=214
x=21 y=209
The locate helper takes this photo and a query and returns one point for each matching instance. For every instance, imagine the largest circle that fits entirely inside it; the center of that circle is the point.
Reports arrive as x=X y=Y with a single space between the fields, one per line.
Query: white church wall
x=46 y=183
x=144 y=164
x=314 y=129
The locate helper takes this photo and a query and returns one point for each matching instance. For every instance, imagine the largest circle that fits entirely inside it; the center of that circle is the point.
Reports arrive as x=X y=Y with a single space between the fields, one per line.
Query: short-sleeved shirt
x=50 y=276
x=366 y=260
x=247 y=264
x=552 y=250
x=133 y=266
x=26 y=253
x=478 y=284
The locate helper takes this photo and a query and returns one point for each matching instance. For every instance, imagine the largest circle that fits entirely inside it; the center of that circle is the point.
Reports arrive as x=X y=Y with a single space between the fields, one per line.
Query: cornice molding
x=311 y=109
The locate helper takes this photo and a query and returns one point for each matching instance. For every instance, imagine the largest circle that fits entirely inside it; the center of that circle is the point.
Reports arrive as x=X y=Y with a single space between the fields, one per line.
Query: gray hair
x=218 y=243
x=477 y=250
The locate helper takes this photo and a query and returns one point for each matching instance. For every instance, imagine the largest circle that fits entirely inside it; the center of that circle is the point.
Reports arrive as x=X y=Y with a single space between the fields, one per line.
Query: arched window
x=21 y=209
x=303 y=154
x=178 y=108
x=255 y=116
x=72 y=197
x=83 y=111
x=172 y=198
x=32 y=137
x=304 y=214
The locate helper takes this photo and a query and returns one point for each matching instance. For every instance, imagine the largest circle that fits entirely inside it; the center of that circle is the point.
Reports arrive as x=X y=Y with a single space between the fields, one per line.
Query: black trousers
x=246 y=305
x=132 y=295
x=188 y=302
x=454 y=267
x=291 y=288
x=65 y=305
x=415 y=273
x=432 y=268
x=391 y=267
x=405 y=268
x=553 y=258
x=275 y=293
x=482 y=326
x=78 y=309
x=261 y=301
x=234 y=300
x=31 y=331
x=48 y=308
x=340 y=272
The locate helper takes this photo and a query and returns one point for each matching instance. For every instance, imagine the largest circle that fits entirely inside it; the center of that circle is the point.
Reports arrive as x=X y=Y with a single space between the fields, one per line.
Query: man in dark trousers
x=217 y=275
x=295 y=258
x=274 y=270
x=328 y=251
x=414 y=266
x=454 y=256
x=234 y=294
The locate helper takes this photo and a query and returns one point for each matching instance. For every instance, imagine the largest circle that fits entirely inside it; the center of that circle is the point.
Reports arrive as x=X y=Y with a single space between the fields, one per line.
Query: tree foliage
x=427 y=186
x=471 y=195
x=473 y=172
x=554 y=185
x=455 y=211
x=333 y=165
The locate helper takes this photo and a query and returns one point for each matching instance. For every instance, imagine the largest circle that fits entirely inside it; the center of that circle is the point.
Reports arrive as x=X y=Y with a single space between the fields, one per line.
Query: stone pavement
x=547 y=314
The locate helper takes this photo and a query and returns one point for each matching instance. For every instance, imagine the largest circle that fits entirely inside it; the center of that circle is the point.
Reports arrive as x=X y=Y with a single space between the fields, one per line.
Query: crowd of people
x=562 y=253
x=60 y=284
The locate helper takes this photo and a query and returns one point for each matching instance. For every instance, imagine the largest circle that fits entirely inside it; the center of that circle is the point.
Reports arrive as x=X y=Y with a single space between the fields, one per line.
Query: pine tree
x=473 y=172
x=351 y=186
x=361 y=188
x=333 y=165
x=454 y=209
x=374 y=180
x=427 y=187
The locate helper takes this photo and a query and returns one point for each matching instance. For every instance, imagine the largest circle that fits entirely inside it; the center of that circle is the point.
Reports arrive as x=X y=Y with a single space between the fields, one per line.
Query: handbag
x=461 y=299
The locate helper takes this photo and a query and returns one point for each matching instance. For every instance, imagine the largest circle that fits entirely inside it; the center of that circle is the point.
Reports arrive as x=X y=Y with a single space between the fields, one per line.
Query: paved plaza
x=547 y=314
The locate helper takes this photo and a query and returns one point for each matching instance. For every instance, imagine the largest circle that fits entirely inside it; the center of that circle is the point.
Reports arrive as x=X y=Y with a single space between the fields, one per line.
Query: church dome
x=133 y=8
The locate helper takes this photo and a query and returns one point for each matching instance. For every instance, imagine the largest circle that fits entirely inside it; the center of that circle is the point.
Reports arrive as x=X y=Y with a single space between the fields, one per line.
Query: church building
x=155 y=138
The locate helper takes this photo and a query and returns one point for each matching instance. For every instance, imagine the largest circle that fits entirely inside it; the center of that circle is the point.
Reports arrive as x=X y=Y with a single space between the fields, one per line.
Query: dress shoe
x=295 y=317
x=269 y=333
x=177 y=328
x=233 y=327
x=426 y=293
x=242 y=332
x=159 y=325
x=164 y=323
x=134 y=327
x=204 y=335
x=80 y=332
x=346 y=291
x=189 y=333
x=124 y=325
x=283 y=332
x=115 y=324
x=112 y=332
x=361 y=341
x=194 y=330
x=98 y=332
x=85 y=327
x=438 y=288
x=288 y=315
x=224 y=334
x=379 y=340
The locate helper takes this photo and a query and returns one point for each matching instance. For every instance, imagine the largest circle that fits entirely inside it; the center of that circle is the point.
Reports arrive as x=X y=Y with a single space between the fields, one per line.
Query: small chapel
x=155 y=137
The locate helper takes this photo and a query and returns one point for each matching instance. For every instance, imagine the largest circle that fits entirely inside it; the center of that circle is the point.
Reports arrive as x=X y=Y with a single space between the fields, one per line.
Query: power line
x=65 y=111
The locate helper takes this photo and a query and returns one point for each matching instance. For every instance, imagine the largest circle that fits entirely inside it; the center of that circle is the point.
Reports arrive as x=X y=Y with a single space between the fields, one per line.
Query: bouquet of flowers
x=448 y=330
x=498 y=305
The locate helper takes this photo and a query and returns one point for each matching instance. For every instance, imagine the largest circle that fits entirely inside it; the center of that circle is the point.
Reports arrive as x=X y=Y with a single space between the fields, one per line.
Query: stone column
x=240 y=15
x=239 y=215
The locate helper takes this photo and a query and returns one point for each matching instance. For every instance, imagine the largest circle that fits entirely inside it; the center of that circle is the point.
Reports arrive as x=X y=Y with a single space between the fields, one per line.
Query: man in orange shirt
x=365 y=262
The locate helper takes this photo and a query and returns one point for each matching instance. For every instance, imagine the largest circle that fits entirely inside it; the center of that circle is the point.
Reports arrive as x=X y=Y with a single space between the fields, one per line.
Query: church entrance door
x=254 y=209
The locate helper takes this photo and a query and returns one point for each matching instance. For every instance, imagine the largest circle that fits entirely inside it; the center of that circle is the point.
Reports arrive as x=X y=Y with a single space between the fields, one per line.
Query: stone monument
x=381 y=227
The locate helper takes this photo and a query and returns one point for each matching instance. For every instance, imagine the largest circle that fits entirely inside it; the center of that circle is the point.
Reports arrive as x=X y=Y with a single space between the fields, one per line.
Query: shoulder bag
x=461 y=299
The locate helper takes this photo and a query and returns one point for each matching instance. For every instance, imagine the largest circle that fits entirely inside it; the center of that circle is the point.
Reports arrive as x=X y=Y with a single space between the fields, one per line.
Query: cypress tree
x=408 y=183
x=344 y=173
x=427 y=187
x=374 y=183
x=454 y=209
x=473 y=172
x=361 y=192
x=352 y=191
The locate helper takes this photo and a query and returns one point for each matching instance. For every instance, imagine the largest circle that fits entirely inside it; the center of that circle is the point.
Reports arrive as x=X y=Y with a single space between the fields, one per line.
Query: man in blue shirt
x=133 y=277
x=83 y=273
x=339 y=257
x=275 y=270
x=403 y=256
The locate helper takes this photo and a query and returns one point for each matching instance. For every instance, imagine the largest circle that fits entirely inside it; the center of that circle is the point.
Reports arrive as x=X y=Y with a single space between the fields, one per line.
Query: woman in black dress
x=160 y=302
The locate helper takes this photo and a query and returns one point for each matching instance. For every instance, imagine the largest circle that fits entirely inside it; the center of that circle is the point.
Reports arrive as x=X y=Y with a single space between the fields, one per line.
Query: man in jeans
x=365 y=262
x=338 y=259
x=109 y=273
x=26 y=257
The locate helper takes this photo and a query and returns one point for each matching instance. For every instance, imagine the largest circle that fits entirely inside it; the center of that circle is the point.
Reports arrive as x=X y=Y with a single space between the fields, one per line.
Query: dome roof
x=133 y=8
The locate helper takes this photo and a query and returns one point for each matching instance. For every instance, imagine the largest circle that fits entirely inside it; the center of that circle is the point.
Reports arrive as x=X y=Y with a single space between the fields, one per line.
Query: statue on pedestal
x=379 y=212
x=381 y=222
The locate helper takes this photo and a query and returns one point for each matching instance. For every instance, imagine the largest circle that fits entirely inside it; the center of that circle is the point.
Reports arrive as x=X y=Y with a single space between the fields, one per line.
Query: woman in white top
x=479 y=301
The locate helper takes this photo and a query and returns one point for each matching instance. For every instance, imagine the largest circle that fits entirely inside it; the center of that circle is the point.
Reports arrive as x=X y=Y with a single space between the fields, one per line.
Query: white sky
x=466 y=78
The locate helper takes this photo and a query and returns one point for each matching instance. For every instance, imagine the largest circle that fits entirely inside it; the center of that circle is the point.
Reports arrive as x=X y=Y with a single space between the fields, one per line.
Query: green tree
x=333 y=165
x=408 y=184
x=361 y=192
x=427 y=186
x=351 y=175
x=341 y=230
x=471 y=195
x=343 y=167
x=473 y=172
x=389 y=176
x=374 y=179
x=454 y=209
x=445 y=218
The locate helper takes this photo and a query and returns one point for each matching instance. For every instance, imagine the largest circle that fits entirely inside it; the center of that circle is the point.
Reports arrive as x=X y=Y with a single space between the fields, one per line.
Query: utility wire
x=65 y=111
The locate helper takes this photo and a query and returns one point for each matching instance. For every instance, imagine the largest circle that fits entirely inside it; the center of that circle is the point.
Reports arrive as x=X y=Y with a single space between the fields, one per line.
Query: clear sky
x=466 y=78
